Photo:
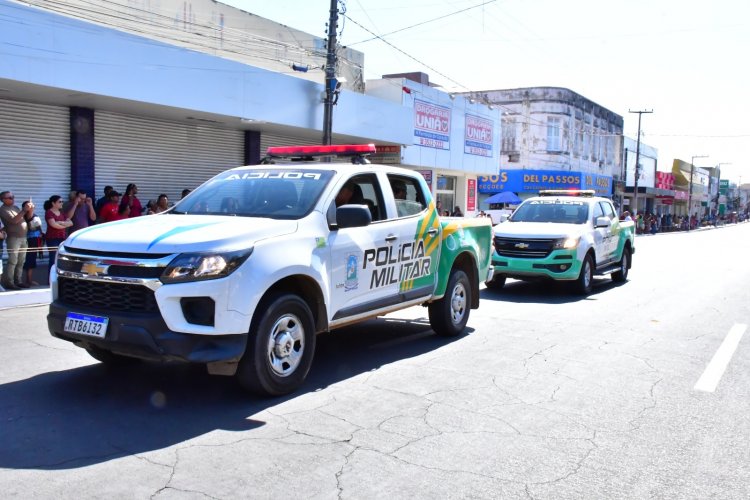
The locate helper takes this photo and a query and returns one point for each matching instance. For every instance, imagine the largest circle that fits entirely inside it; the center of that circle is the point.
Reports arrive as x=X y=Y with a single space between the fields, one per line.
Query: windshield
x=552 y=210
x=274 y=193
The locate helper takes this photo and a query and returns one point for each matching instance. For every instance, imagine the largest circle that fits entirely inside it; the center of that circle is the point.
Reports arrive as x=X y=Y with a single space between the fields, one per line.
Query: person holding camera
x=80 y=210
x=14 y=223
x=34 y=241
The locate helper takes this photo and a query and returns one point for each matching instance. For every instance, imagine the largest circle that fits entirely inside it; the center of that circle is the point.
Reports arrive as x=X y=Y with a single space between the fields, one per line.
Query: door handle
x=391 y=237
x=432 y=231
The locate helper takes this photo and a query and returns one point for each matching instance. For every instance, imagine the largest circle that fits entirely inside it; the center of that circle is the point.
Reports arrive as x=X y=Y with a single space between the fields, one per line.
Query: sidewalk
x=37 y=295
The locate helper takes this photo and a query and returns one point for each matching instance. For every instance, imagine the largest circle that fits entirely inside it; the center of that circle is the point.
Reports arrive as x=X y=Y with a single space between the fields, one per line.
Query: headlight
x=203 y=266
x=567 y=243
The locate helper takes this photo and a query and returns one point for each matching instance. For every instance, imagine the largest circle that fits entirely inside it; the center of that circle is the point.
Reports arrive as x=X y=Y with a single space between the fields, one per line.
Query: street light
x=690 y=192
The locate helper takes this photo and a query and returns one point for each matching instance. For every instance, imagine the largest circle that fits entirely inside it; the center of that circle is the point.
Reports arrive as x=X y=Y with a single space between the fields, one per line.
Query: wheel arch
x=306 y=288
x=466 y=262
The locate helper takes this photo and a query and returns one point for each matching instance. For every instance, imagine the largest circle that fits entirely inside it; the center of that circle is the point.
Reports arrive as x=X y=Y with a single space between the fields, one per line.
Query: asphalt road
x=547 y=395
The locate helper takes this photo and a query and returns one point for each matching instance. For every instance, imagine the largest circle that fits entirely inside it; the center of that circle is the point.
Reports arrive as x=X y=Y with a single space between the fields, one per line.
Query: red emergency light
x=308 y=151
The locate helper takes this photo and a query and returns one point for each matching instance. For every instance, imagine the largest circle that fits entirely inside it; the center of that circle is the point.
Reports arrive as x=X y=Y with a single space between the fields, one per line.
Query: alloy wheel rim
x=286 y=345
x=458 y=303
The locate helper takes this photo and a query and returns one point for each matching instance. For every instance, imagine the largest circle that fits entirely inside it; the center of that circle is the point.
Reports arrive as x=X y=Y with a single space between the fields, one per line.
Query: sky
x=685 y=60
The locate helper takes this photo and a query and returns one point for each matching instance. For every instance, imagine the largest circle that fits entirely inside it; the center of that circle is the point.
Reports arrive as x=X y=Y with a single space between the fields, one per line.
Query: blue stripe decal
x=83 y=231
x=178 y=230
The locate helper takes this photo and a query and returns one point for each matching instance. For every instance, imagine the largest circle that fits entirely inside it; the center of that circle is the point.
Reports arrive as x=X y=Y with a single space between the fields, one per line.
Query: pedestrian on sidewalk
x=57 y=223
x=13 y=220
x=80 y=210
x=34 y=241
x=2 y=243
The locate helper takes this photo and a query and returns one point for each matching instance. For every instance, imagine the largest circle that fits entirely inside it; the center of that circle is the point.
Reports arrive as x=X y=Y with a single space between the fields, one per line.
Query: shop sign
x=386 y=155
x=665 y=180
x=432 y=125
x=520 y=181
x=478 y=136
x=723 y=186
x=427 y=174
x=471 y=195
x=681 y=195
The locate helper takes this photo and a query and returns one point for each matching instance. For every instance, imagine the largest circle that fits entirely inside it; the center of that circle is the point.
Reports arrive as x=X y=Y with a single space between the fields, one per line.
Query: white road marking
x=715 y=369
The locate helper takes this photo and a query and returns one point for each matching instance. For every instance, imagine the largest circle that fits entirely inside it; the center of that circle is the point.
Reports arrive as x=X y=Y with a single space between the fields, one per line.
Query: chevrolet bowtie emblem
x=93 y=269
x=521 y=245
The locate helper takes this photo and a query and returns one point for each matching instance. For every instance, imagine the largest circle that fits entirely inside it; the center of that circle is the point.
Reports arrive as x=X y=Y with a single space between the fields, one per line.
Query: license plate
x=86 y=324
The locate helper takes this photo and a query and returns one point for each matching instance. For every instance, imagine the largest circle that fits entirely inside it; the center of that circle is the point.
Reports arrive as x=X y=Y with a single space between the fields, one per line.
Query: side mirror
x=602 y=222
x=353 y=216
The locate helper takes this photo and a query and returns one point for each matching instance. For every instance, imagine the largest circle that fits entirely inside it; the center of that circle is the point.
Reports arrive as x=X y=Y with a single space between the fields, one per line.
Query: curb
x=17 y=298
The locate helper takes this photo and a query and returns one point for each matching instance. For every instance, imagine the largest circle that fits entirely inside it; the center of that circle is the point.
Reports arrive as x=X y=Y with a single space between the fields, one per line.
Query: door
x=601 y=237
x=358 y=283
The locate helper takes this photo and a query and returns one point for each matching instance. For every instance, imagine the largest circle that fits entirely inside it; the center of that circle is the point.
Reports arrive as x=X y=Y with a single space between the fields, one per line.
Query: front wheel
x=496 y=283
x=622 y=274
x=584 y=283
x=280 y=349
x=449 y=315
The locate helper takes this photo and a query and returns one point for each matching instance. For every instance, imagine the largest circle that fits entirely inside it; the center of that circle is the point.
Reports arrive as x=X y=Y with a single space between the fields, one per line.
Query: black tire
x=584 y=283
x=449 y=315
x=280 y=348
x=109 y=358
x=496 y=283
x=622 y=275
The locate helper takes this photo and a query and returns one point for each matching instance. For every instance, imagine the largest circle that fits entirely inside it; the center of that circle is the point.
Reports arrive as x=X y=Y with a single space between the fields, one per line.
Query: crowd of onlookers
x=26 y=234
x=649 y=223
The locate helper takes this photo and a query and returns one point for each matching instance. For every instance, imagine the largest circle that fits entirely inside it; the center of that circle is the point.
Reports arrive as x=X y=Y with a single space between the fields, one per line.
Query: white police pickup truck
x=244 y=272
x=567 y=235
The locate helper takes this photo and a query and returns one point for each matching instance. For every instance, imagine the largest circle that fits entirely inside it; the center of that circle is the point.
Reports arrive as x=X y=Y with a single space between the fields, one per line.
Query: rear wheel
x=622 y=275
x=449 y=315
x=280 y=349
x=585 y=280
x=496 y=283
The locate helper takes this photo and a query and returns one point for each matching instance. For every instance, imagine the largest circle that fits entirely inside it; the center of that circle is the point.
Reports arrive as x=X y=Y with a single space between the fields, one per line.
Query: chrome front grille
x=523 y=248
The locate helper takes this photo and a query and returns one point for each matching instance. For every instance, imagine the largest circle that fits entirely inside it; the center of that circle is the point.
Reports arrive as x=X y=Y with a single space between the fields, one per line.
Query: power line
x=376 y=37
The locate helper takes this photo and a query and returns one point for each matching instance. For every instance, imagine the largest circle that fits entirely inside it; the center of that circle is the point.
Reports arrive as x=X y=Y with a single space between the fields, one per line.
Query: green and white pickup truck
x=566 y=236
x=244 y=272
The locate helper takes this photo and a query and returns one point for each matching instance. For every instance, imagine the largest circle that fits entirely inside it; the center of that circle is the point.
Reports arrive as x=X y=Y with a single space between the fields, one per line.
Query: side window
x=407 y=192
x=598 y=212
x=608 y=210
x=363 y=190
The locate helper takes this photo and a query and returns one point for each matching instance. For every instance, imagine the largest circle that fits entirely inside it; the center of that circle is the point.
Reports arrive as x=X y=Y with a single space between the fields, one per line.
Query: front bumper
x=558 y=265
x=146 y=336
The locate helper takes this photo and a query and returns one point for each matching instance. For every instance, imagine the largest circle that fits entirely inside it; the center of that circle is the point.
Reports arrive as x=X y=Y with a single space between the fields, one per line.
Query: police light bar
x=309 y=151
x=567 y=192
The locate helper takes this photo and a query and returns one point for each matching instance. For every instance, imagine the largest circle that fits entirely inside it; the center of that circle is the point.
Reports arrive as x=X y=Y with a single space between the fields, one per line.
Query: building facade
x=88 y=99
x=553 y=138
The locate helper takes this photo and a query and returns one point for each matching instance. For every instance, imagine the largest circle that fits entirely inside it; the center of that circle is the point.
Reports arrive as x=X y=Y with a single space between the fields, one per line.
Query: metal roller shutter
x=161 y=156
x=267 y=140
x=34 y=151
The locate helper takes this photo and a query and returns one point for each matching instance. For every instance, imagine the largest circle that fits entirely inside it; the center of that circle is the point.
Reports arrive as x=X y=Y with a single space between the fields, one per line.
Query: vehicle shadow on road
x=545 y=291
x=92 y=414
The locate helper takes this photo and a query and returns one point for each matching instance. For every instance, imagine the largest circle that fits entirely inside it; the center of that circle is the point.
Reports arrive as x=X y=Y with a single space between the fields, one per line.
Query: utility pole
x=637 y=161
x=330 y=82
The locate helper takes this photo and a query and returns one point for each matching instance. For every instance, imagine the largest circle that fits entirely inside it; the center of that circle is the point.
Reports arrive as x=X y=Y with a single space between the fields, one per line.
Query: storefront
x=526 y=183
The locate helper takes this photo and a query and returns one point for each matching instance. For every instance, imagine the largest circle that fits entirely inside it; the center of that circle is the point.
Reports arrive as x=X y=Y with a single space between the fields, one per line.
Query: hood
x=171 y=233
x=539 y=229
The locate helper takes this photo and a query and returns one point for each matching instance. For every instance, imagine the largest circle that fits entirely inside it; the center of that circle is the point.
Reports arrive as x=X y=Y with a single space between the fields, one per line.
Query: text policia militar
x=393 y=264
